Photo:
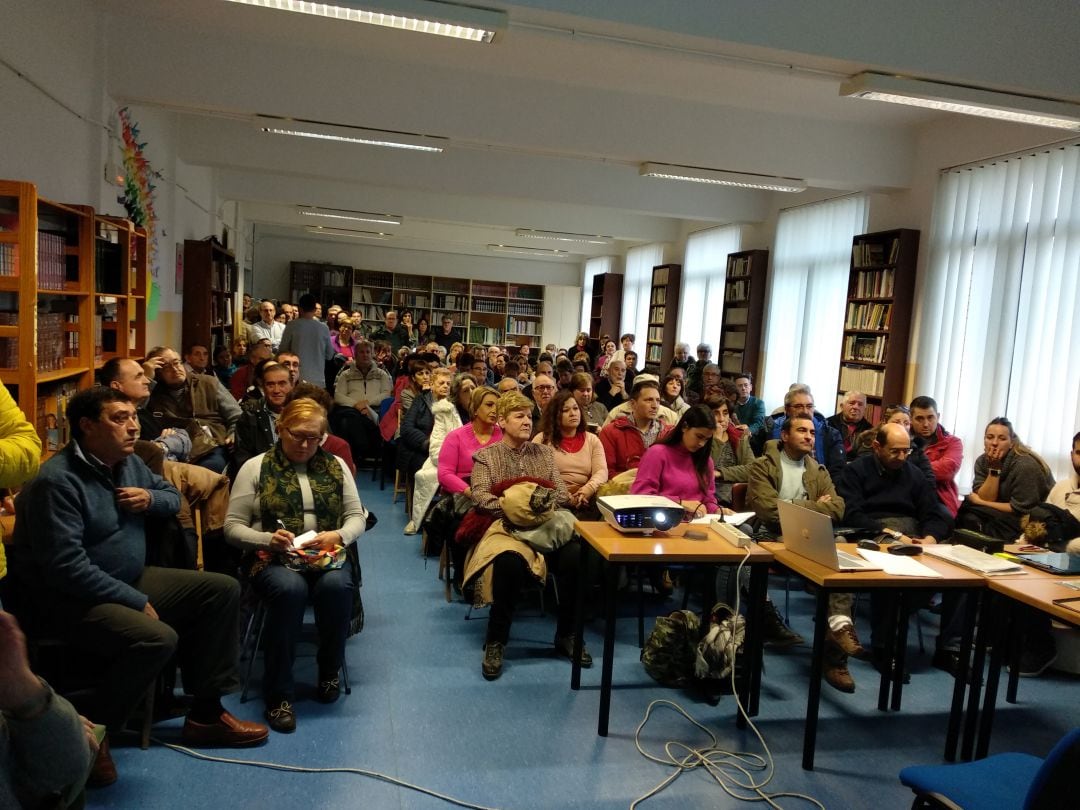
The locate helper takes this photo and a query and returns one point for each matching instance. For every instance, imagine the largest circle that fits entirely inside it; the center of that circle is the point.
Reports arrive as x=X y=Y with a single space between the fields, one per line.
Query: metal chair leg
x=256 y=622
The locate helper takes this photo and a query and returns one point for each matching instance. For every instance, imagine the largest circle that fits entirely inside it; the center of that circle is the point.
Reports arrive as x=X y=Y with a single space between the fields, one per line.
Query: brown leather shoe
x=103 y=771
x=227 y=732
x=848 y=641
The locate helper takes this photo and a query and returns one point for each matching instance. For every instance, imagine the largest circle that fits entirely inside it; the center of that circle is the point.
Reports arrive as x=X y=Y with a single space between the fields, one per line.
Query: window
x=806 y=297
x=637 y=284
x=701 y=302
x=594 y=267
x=999 y=303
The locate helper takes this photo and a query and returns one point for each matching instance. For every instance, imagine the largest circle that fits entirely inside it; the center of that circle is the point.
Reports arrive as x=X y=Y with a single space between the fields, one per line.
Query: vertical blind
x=593 y=268
x=807 y=290
x=701 y=301
x=636 y=287
x=1000 y=301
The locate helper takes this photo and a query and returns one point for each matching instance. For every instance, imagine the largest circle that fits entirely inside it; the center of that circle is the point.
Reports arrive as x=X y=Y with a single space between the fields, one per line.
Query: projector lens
x=660 y=518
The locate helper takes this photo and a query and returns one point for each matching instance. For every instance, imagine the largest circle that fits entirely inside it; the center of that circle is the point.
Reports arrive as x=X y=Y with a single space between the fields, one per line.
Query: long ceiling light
x=324 y=231
x=539 y=253
x=345 y=134
x=559 y=236
x=717 y=177
x=422 y=16
x=352 y=216
x=967 y=100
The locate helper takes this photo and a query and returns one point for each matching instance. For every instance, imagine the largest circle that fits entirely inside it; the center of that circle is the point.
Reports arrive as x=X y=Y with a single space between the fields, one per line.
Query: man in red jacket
x=945 y=451
x=626 y=438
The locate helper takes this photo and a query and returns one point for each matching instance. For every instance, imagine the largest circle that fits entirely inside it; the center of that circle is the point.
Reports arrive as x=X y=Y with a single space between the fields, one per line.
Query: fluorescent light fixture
x=346 y=134
x=352 y=216
x=323 y=231
x=536 y=253
x=966 y=100
x=717 y=177
x=559 y=236
x=423 y=16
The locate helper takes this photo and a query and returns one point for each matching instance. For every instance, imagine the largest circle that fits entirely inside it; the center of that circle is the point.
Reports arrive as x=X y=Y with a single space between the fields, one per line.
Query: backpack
x=1050 y=526
x=677 y=654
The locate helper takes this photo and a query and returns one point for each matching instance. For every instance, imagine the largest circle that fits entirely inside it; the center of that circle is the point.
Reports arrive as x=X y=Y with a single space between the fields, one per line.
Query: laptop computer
x=1066 y=565
x=810 y=534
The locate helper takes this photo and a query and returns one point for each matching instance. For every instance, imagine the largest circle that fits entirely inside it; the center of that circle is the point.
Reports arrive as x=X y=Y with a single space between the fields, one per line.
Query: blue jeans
x=286 y=594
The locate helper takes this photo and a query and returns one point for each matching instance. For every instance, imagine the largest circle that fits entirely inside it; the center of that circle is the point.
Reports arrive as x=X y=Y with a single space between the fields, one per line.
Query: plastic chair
x=1001 y=782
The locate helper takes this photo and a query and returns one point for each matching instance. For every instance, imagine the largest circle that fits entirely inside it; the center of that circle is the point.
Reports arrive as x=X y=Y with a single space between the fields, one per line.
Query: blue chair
x=1001 y=782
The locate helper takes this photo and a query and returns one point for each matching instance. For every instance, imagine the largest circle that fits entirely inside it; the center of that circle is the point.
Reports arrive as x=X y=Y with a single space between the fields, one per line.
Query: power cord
x=277 y=766
x=732 y=770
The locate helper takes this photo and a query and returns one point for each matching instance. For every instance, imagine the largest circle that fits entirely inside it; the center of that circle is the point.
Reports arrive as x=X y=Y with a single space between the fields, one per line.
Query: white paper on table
x=300 y=539
x=899 y=565
x=736 y=519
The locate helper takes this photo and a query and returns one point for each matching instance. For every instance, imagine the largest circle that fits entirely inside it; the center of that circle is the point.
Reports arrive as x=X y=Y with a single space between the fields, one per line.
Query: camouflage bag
x=670 y=652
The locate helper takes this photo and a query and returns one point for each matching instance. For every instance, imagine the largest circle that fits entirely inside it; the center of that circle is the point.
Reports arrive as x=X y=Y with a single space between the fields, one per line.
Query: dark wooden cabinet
x=744 y=310
x=663 y=316
x=606 y=305
x=329 y=283
x=210 y=305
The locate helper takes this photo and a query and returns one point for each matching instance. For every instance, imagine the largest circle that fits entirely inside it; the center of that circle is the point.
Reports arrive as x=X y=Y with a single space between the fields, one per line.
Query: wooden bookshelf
x=46 y=305
x=524 y=314
x=487 y=313
x=877 y=318
x=744 y=312
x=329 y=283
x=120 y=270
x=663 y=315
x=210 y=279
x=412 y=293
x=606 y=305
x=449 y=296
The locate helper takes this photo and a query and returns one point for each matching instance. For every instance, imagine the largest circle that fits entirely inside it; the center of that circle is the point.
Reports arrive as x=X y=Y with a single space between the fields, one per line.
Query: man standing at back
x=309 y=339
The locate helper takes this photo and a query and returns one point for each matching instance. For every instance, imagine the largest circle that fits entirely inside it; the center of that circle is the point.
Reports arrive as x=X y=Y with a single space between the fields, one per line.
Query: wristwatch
x=994 y=473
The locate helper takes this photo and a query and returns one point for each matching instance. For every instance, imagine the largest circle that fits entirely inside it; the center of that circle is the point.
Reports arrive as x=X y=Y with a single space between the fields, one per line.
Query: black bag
x=1050 y=526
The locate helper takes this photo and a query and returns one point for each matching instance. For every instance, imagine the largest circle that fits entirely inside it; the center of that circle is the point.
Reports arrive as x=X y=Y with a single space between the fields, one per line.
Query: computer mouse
x=869 y=545
x=905 y=549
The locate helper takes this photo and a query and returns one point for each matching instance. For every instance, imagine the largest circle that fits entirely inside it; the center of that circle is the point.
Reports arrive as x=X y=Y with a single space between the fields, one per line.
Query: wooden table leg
x=813 y=699
x=611 y=583
x=579 y=617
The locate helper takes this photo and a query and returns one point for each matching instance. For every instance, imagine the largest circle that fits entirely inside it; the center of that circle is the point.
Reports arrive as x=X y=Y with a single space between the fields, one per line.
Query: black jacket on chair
x=416 y=427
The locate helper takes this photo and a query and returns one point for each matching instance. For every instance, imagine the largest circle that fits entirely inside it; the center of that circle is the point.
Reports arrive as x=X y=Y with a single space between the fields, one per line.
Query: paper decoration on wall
x=138 y=199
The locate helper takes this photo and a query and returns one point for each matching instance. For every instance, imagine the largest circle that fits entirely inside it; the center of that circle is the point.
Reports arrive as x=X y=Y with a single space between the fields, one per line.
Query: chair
x=1001 y=782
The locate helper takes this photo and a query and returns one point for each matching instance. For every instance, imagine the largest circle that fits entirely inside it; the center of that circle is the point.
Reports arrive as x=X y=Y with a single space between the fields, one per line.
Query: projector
x=640 y=514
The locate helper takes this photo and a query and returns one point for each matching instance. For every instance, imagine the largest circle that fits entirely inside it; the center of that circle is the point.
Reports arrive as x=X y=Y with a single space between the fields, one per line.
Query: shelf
x=878 y=300
x=866 y=331
x=866 y=363
x=60 y=374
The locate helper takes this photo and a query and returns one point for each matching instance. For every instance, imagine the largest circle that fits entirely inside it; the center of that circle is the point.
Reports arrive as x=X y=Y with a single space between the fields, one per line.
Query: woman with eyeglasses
x=294 y=510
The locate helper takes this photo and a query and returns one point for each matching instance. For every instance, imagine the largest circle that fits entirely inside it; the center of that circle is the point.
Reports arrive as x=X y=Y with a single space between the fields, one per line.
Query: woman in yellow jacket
x=20 y=451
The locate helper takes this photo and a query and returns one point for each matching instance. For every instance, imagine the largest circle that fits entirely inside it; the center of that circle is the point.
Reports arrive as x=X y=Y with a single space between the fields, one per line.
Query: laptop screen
x=1055 y=563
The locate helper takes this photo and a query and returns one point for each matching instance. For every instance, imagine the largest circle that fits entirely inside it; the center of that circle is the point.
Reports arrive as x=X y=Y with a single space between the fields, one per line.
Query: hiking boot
x=847 y=641
x=837 y=675
x=491 y=668
x=775 y=632
x=564 y=646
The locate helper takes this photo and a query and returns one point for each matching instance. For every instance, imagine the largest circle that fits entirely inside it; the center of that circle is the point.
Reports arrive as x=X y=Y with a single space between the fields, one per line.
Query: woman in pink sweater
x=679 y=465
x=456 y=455
x=579 y=455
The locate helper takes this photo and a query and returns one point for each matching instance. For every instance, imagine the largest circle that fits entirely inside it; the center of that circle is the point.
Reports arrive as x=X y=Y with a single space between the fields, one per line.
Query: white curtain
x=593 y=267
x=637 y=283
x=999 y=302
x=806 y=295
x=701 y=302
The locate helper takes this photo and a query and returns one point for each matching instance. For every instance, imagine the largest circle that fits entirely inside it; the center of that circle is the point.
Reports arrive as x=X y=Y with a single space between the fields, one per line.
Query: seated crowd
x=513 y=449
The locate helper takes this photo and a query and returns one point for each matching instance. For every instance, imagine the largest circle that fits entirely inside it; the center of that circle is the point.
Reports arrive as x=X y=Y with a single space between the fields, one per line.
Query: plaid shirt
x=499 y=462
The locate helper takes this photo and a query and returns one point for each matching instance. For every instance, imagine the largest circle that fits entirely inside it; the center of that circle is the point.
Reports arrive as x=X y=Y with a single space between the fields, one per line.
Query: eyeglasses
x=303 y=438
x=172 y=363
x=544 y=387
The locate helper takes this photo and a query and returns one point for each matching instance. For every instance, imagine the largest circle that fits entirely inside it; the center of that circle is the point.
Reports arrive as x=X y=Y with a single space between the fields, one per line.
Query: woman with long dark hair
x=679 y=466
x=579 y=455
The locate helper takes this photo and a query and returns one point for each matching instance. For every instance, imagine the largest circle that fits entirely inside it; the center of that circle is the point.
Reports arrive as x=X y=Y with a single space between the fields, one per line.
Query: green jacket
x=765 y=475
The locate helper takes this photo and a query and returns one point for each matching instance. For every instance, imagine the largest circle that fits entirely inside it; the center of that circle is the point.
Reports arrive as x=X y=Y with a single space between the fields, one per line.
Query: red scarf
x=573 y=444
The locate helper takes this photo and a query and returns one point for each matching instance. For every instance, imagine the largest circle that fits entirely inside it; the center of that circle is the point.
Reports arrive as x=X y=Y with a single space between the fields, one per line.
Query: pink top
x=669 y=471
x=456 y=457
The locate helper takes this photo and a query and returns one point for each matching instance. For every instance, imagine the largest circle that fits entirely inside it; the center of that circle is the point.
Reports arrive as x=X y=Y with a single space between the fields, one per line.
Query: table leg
x=640 y=608
x=885 y=682
x=956 y=713
x=971 y=722
x=579 y=618
x=813 y=699
x=1014 y=646
x=1001 y=620
x=611 y=583
x=900 y=655
x=755 y=616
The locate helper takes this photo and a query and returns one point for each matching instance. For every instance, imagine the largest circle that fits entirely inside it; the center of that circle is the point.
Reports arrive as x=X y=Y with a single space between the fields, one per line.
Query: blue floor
x=420 y=712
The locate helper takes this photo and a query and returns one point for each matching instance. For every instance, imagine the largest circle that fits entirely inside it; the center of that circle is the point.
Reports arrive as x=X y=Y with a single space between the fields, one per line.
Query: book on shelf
x=52 y=265
x=868 y=380
x=874 y=283
x=868 y=316
x=735 y=340
x=869 y=254
x=334 y=277
x=50 y=419
x=660 y=276
x=739 y=268
x=656 y=334
x=737 y=290
x=737 y=316
x=865 y=348
x=654 y=354
x=9 y=259
x=731 y=362
x=657 y=314
x=521 y=327
x=659 y=296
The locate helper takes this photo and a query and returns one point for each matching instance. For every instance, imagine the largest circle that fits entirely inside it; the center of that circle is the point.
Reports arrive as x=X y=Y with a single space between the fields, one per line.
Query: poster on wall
x=179 y=269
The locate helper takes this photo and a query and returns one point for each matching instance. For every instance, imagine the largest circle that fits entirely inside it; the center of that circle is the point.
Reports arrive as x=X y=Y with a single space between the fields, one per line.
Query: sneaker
x=1034 y=663
x=847 y=641
x=329 y=688
x=564 y=646
x=410 y=528
x=493 y=660
x=776 y=632
x=281 y=718
x=837 y=675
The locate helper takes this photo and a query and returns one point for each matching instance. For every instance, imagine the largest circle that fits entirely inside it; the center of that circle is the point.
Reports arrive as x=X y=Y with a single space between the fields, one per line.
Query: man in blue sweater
x=79 y=555
x=828 y=443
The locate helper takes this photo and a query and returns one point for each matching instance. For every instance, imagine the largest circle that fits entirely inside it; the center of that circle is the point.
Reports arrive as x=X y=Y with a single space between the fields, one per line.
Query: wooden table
x=892 y=678
x=669 y=548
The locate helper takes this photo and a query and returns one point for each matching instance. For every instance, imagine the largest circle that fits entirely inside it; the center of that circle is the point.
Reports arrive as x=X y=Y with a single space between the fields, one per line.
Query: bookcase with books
x=372 y=295
x=329 y=283
x=663 y=315
x=744 y=310
x=606 y=305
x=413 y=293
x=524 y=314
x=488 y=313
x=46 y=305
x=120 y=269
x=210 y=279
x=449 y=296
x=877 y=318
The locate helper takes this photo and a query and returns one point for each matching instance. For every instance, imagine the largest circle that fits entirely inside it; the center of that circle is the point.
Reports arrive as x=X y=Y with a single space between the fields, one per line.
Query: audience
x=944 y=451
x=694 y=371
x=594 y=413
x=749 y=411
x=449 y=413
x=679 y=466
x=243 y=378
x=309 y=339
x=256 y=430
x=671 y=395
x=828 y=444
x=578 y=453
x=849 y=422
x=359 y=391
x=267 y=327
x=611 y=390
x=626 y=438
x=416 y=426
x=730 y=451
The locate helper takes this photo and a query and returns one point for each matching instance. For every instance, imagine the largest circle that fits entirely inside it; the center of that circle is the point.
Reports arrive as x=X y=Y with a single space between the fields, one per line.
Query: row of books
x=535 y=308
x=868 y=254
x=734 y=340
x=451 y=301
x=659 y=296
x=738 y=268
x=518 y=326
x=657 y=314
x=736 y=316
x=654 y=354
x=221 y=276
x=53 y=341
x=9 y=260
x=489 y=306
x=370 y=278
x=221 y=310
x=489 y=336
x=405 y=301
x=529 y=293
x=363 y=295
x=447 y=285
x=868 y=316
x=865 y=348
x=9 y=347
x=874 y=284
x=51 y=261
x=731 y=362
x=737 y=290
x=656 y=334
x=660 y=276
x=338 y=277
x=490 y=290
x=867 y=380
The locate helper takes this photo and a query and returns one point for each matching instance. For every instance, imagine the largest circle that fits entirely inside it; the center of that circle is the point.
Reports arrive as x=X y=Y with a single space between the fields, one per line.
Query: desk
x=669 y=548
x=829 y=580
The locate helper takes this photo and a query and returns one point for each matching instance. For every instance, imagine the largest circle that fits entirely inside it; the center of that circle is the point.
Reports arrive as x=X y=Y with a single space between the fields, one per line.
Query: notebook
x=810 y=534
x=971 y=558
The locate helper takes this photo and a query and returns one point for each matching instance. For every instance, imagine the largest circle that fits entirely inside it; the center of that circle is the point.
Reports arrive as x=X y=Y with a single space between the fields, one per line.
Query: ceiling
x=546 y=126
